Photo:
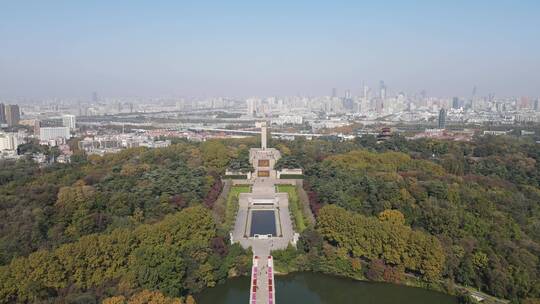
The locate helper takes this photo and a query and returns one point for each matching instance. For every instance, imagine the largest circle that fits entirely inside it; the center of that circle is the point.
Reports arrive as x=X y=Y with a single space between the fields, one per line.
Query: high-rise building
x=442 y=119
x=37 y=125
x=9 y=141
x=334 y=92
x=95 y=97
x=455 y=103
x=348 y=94
x=537 y=104
x=251 y=107
x=365 y=92
x=2 y=113
x=379 y=105
x=382 y=90
x=49 y=133
x=69 y=121
x=13 y=115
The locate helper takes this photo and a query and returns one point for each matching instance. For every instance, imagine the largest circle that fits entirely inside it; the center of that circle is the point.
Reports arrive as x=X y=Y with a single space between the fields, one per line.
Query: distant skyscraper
x=365 y=92
x=250 y=107
x=379 y=105
x=473 y=98
x=2 y=113
x=442 y=119
x=334 y=92
x=537 y=104
x=455 y=103
x=13 y=115
x=348 y=94
x=37 y=125
x=69 y=121
x=348 y=104
x=358 y=106
x=524 y=102
x=382 y=90
x=95 y=97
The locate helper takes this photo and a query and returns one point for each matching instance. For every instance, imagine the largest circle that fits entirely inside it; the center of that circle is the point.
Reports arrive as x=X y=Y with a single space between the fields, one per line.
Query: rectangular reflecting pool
x=263 y=222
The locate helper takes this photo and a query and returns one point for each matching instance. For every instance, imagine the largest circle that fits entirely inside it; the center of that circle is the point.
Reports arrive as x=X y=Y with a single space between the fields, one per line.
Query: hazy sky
x=241 y=48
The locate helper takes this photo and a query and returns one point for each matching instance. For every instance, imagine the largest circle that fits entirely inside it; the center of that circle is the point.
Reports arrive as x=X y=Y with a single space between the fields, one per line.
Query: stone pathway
x=264 y=188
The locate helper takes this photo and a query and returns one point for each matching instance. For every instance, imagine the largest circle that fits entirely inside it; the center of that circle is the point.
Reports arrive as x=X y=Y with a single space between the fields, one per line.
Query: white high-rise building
x=69 y=121
x=251 y=104
x=50 y=133
x=9 y=141
x=365 y=92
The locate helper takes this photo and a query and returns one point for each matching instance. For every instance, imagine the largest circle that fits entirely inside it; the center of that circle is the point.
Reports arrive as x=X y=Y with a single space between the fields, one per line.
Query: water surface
x=314 y=288
x=263 y=222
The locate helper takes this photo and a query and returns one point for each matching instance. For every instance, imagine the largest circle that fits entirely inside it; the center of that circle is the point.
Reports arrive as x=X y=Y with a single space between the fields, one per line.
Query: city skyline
x=62 y=49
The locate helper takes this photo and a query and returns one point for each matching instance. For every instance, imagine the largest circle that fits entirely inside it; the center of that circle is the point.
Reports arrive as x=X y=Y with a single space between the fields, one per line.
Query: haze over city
x=270 y=152
x=67 y=49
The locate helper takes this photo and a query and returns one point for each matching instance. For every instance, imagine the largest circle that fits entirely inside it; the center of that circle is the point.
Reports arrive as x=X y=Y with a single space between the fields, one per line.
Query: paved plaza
x=263 y=189
x=263 y=197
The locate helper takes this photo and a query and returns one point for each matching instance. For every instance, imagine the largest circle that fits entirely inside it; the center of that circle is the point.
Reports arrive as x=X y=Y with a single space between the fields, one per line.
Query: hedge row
x=291 y=176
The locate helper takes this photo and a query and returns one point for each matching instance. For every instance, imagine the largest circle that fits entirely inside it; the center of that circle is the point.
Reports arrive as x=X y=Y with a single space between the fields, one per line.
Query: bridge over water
x=262 y=281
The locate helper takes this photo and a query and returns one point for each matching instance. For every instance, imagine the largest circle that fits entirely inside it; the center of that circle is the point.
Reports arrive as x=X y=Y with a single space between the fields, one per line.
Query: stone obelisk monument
x=263 y=135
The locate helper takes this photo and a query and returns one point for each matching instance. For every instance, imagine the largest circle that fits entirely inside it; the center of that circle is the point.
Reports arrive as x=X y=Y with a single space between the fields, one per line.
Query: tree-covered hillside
x=141 y=225
x=116 y=226
x=481 y=200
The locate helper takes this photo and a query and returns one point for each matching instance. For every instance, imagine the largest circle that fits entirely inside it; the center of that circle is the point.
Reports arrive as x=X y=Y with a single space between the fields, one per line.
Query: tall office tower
x=473 y=98
x=379 y=105
x=365 y=91
x=348 y=94
x=455 y=103
x=334 y=92
x=250 y=107
x=37 y=125
x=358 y=106
x=442 y=119
x=365 y=98
x=95 y=97
x=348 y=104
x=2 y=113
x=382 y=90
x=537 y=104
x=69 y=121
x=524 y=102
x=13 y=115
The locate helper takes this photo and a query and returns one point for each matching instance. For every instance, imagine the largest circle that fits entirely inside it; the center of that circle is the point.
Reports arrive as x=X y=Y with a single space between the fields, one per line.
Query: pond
x=315 y=288
x=263 y=222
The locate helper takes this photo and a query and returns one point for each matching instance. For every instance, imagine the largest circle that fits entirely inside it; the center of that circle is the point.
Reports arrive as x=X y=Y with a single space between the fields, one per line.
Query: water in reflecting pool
x=263 y=222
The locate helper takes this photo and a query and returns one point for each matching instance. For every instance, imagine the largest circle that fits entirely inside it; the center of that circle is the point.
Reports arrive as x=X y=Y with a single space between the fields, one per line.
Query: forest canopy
x=141 y=223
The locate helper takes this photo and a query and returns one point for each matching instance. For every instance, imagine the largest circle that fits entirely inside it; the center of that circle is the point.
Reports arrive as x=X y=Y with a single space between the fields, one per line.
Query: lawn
x=294 y=206
x=232 y=203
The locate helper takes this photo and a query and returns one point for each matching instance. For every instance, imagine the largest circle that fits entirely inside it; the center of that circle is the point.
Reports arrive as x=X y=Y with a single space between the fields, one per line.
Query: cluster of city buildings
x=380 y=105
x=10 y=115
x=113 y=143
x=54 y=122
x=371 y=103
